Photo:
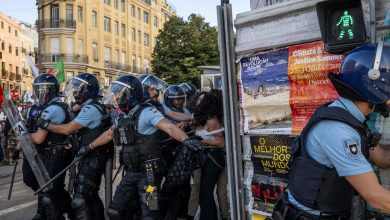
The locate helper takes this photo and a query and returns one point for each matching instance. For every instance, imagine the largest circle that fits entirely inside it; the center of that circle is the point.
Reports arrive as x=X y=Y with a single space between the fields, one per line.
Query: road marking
x=18 y=207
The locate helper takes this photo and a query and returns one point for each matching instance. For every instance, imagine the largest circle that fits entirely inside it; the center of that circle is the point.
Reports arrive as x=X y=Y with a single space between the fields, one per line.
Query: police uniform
x=139 y=137
x=56 y=157
x=86 y=200
x=334 y=144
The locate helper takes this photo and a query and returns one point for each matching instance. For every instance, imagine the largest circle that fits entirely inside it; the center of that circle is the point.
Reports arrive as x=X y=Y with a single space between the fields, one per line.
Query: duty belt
x=54 y=151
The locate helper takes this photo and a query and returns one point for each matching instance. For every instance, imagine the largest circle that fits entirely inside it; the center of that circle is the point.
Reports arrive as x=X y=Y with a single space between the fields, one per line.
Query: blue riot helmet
x=172 y=93
x=125 y=92
x=365 y=74
x=151 y=81
x=81 y=88
x=45 y=89
x=189 y=89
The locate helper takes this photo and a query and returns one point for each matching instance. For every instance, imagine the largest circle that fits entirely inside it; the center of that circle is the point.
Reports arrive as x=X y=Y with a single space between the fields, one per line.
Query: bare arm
x=66 y=129
x=39 y=136
x=218 y=142
x=171 y=129
x=369 y=188
x=177 y=116
x=103 y=139
x=380 y=155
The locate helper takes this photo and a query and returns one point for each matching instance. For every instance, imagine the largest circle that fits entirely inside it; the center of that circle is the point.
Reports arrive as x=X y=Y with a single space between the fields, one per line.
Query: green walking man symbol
x=346 y=22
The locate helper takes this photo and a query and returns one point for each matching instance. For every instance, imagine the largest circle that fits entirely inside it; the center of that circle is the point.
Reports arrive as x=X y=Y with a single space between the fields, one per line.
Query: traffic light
x=342 y=25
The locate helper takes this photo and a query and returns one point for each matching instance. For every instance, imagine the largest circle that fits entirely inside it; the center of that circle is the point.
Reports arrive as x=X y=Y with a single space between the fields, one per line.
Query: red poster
x=308 y=66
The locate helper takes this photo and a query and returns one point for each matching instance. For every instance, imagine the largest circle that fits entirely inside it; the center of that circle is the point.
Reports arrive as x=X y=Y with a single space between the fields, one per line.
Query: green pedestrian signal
x=346 y=23
x=342 y=25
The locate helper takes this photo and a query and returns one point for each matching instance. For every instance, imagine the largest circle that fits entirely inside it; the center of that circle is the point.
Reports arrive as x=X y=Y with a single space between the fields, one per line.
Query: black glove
x=16 y=155
x=42 y=123
x=84 y=150
x=193 y=144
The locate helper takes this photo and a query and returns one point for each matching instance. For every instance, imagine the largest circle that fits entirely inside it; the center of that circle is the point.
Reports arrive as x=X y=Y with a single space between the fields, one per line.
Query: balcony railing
x=4 y=74
x=139 y=70
x=51 y=23
x=65 y=57
x=149 y=2
x=116 y=65
x=18 y=77
x=11 y=76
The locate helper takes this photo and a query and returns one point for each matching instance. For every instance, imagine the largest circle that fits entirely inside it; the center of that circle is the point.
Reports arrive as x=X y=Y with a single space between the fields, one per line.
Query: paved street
x=23 y=203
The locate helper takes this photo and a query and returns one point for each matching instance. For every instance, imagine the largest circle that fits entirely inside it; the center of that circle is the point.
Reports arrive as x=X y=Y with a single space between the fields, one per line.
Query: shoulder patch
x=352 y=148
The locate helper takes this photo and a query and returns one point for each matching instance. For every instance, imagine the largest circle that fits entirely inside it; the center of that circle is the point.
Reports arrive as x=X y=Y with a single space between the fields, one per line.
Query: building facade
x=17 y=39
x=104 y=37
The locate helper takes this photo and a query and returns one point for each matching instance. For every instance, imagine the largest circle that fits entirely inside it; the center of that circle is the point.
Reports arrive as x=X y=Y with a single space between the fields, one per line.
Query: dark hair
x=210 y=106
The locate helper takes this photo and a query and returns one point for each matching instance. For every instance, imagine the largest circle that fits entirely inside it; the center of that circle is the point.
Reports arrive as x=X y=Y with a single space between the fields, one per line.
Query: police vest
x=87 y=135
x=315 y=185
x=136 y=147
x=158 y=106
x=53 y=138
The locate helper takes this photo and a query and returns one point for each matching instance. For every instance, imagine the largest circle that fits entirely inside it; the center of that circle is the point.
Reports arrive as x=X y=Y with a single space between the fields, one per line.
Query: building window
x=10 y=48
x=123 y=27
x=80 y=13
x=146 y=39
x=107 y=24
x=139 y=37
x=2 y=25
x=81 y=46
x=155 y=21
x=16 y=33
x=1 y=55
x=133 y=10
x=146 y=17
x=69 y=12
x=10 y=67
x=94 y=18
x=123 y=6
x=116 y=27
x=123 y=57
x=16 y=51
x=2 y=46
x=116 y=4
x=133 y=36
x=17 y=70
x=95 y=52
x=107 y=2
x=9 y=29
x=69 y=45
x=139 y=13
x=116 y=56
x=107 y=54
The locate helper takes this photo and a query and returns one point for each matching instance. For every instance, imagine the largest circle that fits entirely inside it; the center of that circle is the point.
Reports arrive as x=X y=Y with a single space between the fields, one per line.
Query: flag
x=58 y=71
x=1 y=97
x=34 y=69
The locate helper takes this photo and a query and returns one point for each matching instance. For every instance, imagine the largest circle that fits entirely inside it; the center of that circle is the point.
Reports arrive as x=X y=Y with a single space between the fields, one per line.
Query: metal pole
x=231 y=112
x=372 y=22
x=108 y=186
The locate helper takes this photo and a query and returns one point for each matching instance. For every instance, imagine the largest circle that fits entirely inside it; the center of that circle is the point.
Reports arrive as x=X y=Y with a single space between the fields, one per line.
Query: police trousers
x=56 y=158
x=132 y=188
x=88 y=180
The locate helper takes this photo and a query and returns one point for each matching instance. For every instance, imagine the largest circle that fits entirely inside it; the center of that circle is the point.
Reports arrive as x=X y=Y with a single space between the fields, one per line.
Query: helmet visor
x=75 y=87
x=43 y=92
x=152 y=82
x=117 y=95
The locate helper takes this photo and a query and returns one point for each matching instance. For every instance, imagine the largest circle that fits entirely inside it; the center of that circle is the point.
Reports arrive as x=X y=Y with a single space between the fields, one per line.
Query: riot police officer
x=175 y=100
x=153 y=88
x=54 y=148
x=137 y=130
x=90 y=123
x=330 y=158
x=189 y=89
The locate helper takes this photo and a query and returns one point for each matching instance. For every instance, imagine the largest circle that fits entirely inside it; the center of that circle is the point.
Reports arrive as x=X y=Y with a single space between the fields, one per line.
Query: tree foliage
x=182 y=46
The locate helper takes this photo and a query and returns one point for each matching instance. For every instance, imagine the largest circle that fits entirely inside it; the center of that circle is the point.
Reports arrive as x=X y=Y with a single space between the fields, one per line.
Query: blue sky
x=26 y=10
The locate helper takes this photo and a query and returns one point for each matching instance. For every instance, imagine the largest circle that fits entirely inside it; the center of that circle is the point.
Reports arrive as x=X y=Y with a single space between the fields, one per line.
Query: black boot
x=41 y=215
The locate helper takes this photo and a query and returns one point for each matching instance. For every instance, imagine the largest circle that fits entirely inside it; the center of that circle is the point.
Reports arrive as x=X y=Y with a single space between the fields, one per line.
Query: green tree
x=182 y=46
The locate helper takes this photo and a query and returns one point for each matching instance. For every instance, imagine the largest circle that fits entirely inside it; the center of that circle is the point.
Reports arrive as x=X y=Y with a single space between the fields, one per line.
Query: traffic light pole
x=231 y=111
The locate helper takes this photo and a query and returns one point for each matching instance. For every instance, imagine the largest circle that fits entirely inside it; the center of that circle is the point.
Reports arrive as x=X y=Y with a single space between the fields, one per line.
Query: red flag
x=1 y=97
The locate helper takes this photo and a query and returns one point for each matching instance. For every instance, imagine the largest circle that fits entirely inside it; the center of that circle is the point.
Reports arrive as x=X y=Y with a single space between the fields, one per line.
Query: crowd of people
x=171 y=141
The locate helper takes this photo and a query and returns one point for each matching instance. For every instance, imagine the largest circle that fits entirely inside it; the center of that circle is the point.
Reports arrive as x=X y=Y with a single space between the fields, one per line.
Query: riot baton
x=12 y=180
x=117 y=172
x=59 y=174
x=189 y=134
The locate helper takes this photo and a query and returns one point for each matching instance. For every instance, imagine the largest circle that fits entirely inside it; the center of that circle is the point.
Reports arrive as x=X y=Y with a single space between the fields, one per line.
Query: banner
x=281 y=89
x=270 y=155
